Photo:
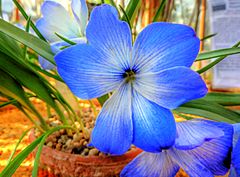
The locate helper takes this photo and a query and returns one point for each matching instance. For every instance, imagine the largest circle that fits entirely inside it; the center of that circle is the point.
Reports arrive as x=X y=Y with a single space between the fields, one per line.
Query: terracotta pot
x=57 y=163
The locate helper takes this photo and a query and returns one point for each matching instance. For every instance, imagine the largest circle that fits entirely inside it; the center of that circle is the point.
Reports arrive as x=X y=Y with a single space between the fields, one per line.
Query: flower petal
x=213 y=156
x=164 y=45
x=172 y=87
x=194 y=133
x=45 y=64
x=151 y=165
x=56 y=47
x=154 y=127
x=236 y=135
x=86 y=71
x=110 y=36
x=190 y=164
x=80 y=11
x=56 y=19
x=113 y=129
x=236 y=158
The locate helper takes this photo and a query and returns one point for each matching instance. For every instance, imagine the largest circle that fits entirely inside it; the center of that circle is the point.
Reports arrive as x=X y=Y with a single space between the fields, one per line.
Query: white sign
x=225 y=21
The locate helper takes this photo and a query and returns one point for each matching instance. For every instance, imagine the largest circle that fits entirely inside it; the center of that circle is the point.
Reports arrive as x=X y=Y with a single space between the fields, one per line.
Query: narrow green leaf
x=209 y=110
x=10 y=87
x=34 y=82
x=1 y=8
x=10 y=47
x=110 y=2
x=49 y=74
x=210 y=65
x=20 y=8
x=131 y=10
x=40 y=146
x=103 y=99
x=7 y=103
x=159 y=11
x=38 y=45
x=203 y=114
x=66 y=40
x=224 y=99
x=126 y=17
x=27 y=30
x=10 y=169
x=209 y=36
x=16 y=146
x=217 y=53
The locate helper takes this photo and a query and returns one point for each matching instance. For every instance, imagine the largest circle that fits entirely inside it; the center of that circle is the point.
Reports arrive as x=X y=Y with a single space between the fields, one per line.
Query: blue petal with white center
x=86 y=72
x=154 y=127
x=151 y=165
x=113 y=130
x=80 y=11
x=212 y=157
x=171 y=87
x=110 y=36
x=56 y=19
x=191 y=134
x=164 y=45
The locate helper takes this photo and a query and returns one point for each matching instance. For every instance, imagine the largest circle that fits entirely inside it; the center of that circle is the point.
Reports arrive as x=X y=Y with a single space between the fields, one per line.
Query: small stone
x=58 y=147
x=69 y=143
x=85 y=152
x=85 y=143
x=62 y=131
x=87 y=125
x=49 y=144
x=60 y=141
x=102 y=154
x=64 y=138
x=76 y=144
x=93 y=152
x=77 y=137
x=82 y=141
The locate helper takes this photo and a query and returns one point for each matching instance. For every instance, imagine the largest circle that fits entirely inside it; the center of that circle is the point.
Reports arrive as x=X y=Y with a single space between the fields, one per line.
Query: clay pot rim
x=127 y=155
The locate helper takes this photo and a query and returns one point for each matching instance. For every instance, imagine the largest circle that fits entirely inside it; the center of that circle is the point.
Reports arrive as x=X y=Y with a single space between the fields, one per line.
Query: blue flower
x=147 y=79
x=235 y=168
x=211 y=144
x=56 y=19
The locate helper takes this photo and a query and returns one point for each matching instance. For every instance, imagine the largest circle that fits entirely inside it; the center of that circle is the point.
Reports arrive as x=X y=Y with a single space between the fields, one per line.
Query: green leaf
x=20 y=8
x=27 y=30
x=103 y=99
x=33 y=81
x=210 y=110
x=210 y=65
x=7 y=103
x=65 y=39
x=125 y=16
x=10 y=169
x=10 y=47
x=224 y=99
x=159 y=11
x=40 y=146
x=131 y=10
x=209 y=36
x=38 y=45
x=217 y=53
x=16 y=146
x=0 y=8
x=10 y=87
x=110 y=2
